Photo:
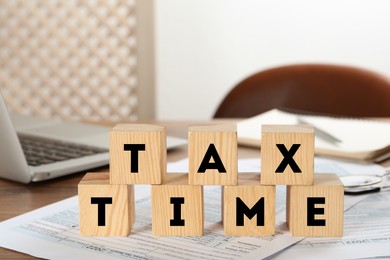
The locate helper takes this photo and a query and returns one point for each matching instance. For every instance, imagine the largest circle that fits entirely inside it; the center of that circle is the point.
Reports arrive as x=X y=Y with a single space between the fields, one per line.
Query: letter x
x=288 y=158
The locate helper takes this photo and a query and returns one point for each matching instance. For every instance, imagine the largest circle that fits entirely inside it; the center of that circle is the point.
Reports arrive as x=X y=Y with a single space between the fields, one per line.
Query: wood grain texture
x=151 y=162
x=176 y=185
x=119 y=216
x=224 y=138
x=271 y=157
x=250 y=191
x=328 y=186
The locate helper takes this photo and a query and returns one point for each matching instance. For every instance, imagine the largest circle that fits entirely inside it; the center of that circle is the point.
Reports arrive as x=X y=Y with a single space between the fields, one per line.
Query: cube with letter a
x=316 y=210
x=249 y=208
x=287 y=155
x=137 y=154
x=212 y=154
x=177 y=207
x=105 y=209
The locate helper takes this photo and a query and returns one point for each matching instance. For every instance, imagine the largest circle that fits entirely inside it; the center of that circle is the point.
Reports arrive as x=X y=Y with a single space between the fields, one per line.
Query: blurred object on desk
x=310 y=88
x=359 y=139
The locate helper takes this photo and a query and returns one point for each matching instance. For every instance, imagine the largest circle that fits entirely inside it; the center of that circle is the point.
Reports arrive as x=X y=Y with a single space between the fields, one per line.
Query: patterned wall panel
x=71 y=59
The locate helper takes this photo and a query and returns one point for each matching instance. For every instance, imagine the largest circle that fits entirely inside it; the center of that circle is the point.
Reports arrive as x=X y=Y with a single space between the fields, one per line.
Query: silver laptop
x=35 y=149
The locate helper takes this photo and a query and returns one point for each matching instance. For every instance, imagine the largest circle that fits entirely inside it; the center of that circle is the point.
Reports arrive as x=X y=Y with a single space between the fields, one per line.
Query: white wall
x=204 y=47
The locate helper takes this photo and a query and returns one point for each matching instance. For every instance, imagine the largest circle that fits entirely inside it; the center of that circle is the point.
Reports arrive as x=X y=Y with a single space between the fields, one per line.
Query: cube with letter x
x=287 y=155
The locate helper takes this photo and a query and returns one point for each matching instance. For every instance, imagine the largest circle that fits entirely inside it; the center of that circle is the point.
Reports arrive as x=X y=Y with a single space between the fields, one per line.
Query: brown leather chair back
x=310 y=88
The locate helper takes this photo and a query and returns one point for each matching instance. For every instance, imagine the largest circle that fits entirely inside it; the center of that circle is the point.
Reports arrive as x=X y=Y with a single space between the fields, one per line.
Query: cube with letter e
x=287 y=155
x=316 y=210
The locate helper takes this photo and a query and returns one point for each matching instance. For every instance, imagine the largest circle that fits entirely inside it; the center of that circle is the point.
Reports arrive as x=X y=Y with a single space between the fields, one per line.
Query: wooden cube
x=249 y=208
x=316 y=210
x=105 y=209
x=212 y=154
x=137 y=154
x=177 y=207
x=287 y=155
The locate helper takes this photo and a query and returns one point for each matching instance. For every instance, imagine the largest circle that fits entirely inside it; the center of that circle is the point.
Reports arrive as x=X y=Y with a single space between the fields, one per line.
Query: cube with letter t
x=137 y=154
x=212 y=154
x=105 y=209
x=316 y=210
x=287 y=155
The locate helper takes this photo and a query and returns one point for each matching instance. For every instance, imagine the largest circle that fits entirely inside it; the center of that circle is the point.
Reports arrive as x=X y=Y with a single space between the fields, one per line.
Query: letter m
x=242 y=209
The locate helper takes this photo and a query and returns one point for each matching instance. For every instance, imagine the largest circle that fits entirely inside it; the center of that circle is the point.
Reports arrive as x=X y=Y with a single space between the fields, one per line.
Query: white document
x=360 y=138
x=366 y=234
x=52 y=232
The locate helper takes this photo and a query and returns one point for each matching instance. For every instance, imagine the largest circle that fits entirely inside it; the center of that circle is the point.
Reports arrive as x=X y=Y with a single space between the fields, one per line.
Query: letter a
x=206 y=164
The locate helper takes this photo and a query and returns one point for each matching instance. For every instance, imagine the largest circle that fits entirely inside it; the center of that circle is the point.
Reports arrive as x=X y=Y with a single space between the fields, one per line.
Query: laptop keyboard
x=40 y=151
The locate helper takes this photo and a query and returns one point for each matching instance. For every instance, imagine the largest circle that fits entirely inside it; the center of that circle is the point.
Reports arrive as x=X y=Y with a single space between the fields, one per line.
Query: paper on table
x=52 y=232
x=366 y=234
x=56 y=227
x=361 y=139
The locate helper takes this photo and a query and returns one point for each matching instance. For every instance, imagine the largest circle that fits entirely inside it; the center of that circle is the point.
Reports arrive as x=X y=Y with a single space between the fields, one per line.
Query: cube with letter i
x=137 y=154
x=316 y=210
x=212 y=154
x=177 y=207
x=249 y=208
x=287 y=155
x=105 y=209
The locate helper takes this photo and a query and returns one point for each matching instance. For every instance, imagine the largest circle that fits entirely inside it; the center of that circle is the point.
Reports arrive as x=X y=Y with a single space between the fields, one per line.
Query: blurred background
x=204 y=48
x=143 y=59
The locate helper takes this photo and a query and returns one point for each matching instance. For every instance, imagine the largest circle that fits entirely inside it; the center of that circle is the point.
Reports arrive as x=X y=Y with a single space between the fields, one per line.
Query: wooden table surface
x=16 y=198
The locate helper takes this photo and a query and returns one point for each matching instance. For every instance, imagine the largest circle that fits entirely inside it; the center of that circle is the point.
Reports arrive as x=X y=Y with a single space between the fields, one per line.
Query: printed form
x=52 y=232
x=366 y=234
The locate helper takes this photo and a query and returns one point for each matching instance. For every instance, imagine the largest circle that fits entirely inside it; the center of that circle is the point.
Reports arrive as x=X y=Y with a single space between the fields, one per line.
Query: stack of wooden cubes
x=138 y=156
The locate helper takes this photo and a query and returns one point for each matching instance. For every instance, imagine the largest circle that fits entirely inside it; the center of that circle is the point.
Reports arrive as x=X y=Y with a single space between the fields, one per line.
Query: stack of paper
x=359 y=139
